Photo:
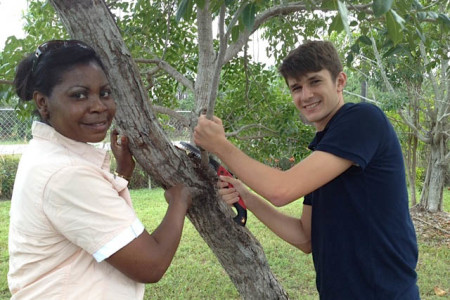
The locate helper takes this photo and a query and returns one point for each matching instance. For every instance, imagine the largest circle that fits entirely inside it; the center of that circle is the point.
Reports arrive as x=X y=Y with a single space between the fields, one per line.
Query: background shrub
x=8 y=169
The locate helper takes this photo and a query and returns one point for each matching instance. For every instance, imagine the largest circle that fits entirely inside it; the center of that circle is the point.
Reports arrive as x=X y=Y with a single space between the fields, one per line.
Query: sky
x=11 y=19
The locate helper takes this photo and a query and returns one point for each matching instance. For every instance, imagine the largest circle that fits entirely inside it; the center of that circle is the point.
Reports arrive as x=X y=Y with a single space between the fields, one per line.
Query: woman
x=73 y=231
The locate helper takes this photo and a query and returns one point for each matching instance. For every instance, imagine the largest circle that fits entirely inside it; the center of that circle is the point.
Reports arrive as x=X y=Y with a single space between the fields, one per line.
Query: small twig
x=434 y=226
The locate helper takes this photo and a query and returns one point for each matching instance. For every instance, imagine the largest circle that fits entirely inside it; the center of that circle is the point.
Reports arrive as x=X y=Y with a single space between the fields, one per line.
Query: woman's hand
x=121 y=151
x=179 y=194
x=231 y=194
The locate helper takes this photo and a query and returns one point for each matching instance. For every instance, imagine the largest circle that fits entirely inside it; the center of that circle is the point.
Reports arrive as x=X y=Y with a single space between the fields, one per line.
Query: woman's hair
x=312 y=56
x=43 y=69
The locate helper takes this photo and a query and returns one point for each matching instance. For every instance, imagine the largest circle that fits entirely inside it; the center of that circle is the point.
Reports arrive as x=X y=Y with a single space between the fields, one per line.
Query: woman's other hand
x=179 y=194
x=121 y=151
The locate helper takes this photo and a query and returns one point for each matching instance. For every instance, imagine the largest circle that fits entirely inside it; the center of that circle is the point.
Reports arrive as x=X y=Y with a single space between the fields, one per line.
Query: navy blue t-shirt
x=363 y=240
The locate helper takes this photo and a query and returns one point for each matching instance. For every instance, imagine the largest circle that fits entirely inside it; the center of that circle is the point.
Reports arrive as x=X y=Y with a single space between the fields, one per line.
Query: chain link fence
x=12 y=129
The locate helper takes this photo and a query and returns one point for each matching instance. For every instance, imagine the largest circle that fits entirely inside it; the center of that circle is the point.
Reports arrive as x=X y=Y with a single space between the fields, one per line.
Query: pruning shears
x=241 y=209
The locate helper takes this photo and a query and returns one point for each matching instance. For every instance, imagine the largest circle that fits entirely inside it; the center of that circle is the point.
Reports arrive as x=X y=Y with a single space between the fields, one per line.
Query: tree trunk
x=411 y=164
x=433 y=187
x=412 y=145
x=238 y=251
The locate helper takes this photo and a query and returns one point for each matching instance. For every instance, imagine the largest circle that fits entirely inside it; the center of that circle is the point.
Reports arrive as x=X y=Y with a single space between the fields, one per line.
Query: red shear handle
x=241 y=209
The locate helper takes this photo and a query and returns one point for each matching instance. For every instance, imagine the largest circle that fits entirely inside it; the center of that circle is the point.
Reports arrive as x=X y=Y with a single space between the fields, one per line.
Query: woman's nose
x=97 y=104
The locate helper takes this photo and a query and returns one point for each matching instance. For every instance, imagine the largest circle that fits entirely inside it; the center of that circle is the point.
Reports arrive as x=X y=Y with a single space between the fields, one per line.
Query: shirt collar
x=319 y=135
x=89 y=152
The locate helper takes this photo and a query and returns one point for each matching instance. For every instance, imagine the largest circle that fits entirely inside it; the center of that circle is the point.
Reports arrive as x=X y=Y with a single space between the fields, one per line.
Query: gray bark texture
x=237 y=250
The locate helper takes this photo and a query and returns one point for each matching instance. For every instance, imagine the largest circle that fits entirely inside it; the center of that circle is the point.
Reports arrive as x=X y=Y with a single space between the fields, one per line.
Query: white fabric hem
x=117 y=243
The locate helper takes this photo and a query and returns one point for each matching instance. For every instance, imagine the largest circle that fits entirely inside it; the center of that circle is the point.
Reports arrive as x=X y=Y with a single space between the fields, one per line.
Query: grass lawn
x=196 y=274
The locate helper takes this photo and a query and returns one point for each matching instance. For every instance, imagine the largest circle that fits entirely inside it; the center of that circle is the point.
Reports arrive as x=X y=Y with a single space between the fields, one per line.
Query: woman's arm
x=147 y=257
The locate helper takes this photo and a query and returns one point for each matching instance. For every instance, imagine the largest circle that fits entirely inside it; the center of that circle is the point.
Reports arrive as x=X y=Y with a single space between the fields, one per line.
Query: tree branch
x=430 y=74
x=219 y=64
x=380 y=66
x=447 y=158
x=416 y=131
x=169 y=70
x=275 y=11
x=9 y=82
x=235 y=19
x=173 y=114
x=247 y=127
x=216 y=77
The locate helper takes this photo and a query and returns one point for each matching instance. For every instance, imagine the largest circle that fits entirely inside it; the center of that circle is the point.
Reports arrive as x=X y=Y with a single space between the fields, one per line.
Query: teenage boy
x=355 y=217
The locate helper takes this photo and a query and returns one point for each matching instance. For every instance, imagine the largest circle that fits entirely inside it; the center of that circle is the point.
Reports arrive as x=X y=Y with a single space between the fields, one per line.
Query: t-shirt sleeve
x=355 y=134
x=307 y=200
x=87 y=209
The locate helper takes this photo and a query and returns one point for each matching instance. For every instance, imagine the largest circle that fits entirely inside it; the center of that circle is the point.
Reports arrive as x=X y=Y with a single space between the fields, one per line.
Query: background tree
x=412 y=68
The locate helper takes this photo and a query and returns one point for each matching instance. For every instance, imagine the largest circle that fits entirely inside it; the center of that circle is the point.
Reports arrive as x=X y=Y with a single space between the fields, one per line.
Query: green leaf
x=394 y=26
x=392 y=51
x=433 y=15
x=355 y=48
x=421 y=15
x=444 y=19
x=235 y=33
x=336 y=25
x=416 y=5
x=365 y=40
x=201 y=3
x=248 y=15
x=361 y=16
x=329 y=4
x=350 y=58
x=182 y=10
x=380 y=7
x=420 y=34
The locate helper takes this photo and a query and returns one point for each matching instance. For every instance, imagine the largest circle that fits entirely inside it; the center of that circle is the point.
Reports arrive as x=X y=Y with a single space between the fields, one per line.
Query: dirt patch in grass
x=431 y=228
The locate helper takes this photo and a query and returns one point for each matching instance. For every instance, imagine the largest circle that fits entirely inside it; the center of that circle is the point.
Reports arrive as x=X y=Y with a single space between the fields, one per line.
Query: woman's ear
x=42 y=105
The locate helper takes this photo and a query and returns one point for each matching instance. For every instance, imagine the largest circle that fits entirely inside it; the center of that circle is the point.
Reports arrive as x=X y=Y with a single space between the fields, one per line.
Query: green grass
x=196 y=274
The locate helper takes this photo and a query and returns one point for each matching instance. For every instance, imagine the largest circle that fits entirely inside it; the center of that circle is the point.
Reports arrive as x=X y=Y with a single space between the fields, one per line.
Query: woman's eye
x=79 y=95
x=105 y=94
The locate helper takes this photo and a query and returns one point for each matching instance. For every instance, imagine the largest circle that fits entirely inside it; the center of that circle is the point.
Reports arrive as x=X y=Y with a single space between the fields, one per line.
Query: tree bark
x=237 y=250
x=433 y=188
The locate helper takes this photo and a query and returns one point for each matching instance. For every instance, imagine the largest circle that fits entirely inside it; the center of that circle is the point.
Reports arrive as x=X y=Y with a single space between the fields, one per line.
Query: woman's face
x=80 y=107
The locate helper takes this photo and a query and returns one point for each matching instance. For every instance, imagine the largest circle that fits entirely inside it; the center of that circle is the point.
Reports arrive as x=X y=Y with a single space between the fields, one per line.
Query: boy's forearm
x=288 y=228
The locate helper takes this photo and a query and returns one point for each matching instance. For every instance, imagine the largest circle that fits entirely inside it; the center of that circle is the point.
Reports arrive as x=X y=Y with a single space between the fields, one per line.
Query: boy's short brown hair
x=312 y=56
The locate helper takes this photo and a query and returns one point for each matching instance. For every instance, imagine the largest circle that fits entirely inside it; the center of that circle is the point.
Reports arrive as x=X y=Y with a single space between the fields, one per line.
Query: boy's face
x=317 y=96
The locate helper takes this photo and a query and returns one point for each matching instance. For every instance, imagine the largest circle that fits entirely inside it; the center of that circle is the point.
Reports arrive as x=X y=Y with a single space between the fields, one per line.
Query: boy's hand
x=231 y=194
x=209 y=134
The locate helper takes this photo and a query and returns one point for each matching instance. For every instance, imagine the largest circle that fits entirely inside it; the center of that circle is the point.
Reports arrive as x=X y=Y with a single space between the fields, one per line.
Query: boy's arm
x=296 y=232
x=279 y=187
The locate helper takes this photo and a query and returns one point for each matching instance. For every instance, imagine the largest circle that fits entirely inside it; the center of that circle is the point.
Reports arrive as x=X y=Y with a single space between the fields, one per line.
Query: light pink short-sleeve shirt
x=68 y=214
